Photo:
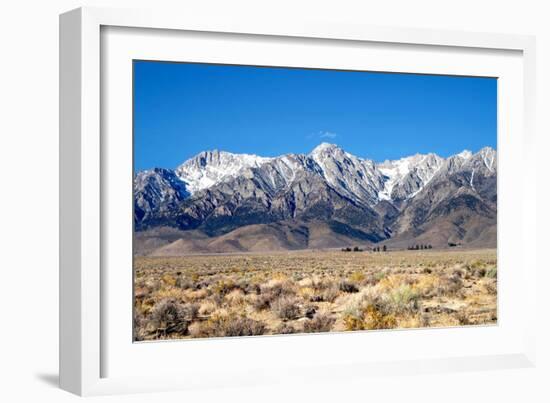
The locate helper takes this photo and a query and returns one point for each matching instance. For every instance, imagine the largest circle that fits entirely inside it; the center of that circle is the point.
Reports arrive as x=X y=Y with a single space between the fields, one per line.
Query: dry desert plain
x=312 y=291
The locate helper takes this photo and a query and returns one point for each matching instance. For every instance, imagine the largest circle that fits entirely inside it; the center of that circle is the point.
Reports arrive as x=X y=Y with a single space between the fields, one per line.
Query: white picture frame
x=88 y=349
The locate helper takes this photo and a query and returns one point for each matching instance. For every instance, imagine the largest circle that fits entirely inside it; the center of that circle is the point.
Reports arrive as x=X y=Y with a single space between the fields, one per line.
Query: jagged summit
x=465 y=154
x=359 y=179
x=211 y=167
x=326 y=148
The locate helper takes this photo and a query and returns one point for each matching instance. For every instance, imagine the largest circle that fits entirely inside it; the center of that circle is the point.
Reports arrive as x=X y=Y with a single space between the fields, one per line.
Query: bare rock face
x=352 y=177
x=458 y=203
x=156 y=192
x=409 y=175
x=422 y=197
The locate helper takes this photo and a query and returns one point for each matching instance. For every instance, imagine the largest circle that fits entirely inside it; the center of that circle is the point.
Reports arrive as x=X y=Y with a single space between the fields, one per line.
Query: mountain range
x=223 y=202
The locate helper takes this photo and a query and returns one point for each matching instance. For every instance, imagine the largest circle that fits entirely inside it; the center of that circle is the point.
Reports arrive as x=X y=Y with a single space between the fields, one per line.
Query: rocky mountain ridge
x=217 y=192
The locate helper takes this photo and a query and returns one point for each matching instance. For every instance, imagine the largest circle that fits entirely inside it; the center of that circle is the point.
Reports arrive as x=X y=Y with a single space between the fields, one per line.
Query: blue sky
x=181 y=109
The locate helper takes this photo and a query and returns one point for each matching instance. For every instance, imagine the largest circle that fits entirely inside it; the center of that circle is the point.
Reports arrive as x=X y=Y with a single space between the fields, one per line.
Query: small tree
x=385 y=248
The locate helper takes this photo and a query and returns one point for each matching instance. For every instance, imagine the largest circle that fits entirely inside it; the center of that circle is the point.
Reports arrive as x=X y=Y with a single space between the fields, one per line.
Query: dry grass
x=312 y=291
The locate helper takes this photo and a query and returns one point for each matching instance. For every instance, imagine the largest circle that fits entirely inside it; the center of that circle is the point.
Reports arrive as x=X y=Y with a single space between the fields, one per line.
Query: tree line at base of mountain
x=419 y=247
x=385 y=248
x=355 y=249
x=358 y=249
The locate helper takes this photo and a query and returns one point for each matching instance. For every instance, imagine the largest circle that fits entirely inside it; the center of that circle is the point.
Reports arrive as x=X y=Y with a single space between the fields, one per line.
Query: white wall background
x=29 y=200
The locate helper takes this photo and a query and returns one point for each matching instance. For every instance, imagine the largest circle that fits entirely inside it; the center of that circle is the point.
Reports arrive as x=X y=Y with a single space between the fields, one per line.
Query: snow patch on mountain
x=407 y=176
x=393 y=172
x=488 y=155
x=212 y=167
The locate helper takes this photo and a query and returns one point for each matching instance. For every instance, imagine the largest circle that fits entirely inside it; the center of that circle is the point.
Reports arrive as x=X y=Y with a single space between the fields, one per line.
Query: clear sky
x=181 y=109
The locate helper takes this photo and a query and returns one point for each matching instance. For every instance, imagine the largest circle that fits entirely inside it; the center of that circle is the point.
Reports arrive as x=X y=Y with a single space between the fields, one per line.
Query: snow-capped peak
x=211 y=167
x=465 y=154
x=407 y=176
x=325 y=149
x=351 y=176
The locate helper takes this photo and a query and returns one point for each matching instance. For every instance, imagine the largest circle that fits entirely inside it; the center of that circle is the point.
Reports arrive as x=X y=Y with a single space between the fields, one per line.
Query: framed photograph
x=246 y=201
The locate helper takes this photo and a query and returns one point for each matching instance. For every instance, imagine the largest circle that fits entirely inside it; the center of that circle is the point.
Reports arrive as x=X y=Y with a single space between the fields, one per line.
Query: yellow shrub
x=306 y=282
x=169 y=280
x=427 y=284
x=357 y=277
x=207 y=307
x=279 y=276
x=146 y=306
x=170 y=292
x=257 y=278
x=352 y=322
x=374 y=319
x=369 y=318
x=223 y=287
x=235 y=297
x=193 y=296
x=476 y=264
x=306 y=292
x=392 y=281
x=414 y=321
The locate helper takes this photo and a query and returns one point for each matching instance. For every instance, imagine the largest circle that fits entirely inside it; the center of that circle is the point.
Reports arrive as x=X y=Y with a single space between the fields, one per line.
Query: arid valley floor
x=312 y=291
